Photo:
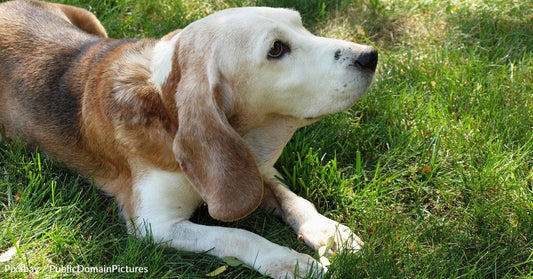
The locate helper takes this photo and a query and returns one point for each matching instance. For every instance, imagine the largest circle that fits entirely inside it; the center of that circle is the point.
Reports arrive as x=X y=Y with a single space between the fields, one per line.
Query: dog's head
x=238 y=67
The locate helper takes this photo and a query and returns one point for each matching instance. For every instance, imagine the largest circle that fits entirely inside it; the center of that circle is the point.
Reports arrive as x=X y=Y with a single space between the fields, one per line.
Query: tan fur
x=232 y=187
x=83 y=19
x=204 y=136
x=123 y=118
x=81 y=124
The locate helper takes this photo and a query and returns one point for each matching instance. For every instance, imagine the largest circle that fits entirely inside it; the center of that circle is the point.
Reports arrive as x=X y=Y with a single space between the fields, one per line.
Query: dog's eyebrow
x=276 y=33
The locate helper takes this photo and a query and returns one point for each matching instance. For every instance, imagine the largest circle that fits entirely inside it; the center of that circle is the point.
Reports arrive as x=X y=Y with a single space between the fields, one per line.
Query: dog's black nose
x=368 y=59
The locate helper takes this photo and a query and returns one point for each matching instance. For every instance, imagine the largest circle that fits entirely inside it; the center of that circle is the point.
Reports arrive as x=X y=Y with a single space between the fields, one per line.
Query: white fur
x=161 y=65
x=306 y=83
x=311 y=226
x=167 y=200
x=164 y=198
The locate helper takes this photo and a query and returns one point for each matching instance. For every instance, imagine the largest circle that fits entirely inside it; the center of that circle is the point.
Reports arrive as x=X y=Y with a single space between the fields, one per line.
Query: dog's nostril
x=368 y=59
x=337 y=54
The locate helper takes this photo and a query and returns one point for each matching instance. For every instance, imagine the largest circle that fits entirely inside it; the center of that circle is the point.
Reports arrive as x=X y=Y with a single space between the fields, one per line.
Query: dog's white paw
x=286 y=263
x=327 y=236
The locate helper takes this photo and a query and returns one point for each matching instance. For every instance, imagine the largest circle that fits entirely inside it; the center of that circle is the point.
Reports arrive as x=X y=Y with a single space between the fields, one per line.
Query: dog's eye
x=277 y=50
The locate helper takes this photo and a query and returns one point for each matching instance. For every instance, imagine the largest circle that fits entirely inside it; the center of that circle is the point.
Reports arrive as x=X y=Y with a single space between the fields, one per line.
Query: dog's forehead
x=258 y=15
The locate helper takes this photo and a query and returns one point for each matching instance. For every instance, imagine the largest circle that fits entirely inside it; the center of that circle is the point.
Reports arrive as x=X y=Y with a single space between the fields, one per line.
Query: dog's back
x=39 y=48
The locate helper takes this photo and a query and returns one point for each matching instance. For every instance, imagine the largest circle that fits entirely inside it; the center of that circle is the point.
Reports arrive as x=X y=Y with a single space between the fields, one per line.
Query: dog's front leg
x=166 y=201
x=314 y=228
x=266 y=257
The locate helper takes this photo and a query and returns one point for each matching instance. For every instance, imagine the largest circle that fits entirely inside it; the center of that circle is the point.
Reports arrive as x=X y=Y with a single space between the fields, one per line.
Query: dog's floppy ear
x=213 y=156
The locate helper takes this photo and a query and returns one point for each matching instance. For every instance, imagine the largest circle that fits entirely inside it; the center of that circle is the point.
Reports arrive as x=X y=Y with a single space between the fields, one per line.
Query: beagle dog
x=198 y=116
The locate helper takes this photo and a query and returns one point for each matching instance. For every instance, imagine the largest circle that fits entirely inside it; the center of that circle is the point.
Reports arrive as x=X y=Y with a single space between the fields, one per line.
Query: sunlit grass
x=433 y=168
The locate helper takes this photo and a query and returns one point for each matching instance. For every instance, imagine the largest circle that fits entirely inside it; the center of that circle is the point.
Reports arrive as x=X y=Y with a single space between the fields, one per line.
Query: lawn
x=433 y=168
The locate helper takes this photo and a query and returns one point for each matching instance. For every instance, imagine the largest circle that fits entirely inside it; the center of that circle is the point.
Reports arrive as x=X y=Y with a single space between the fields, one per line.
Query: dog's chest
x=165 y=196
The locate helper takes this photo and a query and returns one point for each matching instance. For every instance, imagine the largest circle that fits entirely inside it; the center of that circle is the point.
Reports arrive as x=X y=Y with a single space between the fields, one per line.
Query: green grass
x=433 y=168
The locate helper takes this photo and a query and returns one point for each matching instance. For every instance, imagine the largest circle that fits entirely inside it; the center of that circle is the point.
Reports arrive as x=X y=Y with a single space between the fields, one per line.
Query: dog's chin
x=343 y=105
x=319 y=115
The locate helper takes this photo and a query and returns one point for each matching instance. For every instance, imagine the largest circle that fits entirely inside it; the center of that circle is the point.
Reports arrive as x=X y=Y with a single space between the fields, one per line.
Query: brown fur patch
x=211 y=153
x=83 y=19
x=88 y=102
x=125 y=119
x=138 y=112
